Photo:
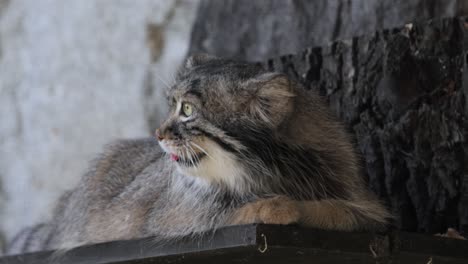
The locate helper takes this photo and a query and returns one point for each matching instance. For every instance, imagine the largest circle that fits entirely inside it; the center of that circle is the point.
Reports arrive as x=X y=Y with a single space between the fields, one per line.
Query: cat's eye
x=187 y=109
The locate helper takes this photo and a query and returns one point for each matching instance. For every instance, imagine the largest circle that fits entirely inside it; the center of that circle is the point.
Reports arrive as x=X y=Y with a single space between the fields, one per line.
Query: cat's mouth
x=191 y=161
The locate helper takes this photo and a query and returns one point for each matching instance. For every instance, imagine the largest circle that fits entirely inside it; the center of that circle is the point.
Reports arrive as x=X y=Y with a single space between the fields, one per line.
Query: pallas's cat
x=240 y=145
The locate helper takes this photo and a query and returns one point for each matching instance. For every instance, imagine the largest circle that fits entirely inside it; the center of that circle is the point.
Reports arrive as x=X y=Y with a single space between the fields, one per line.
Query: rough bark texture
x=257 y=30
x=402 y=92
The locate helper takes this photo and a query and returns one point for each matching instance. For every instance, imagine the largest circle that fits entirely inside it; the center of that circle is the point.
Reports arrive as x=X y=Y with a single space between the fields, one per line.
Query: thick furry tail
x=334 y=214
x=345 y=214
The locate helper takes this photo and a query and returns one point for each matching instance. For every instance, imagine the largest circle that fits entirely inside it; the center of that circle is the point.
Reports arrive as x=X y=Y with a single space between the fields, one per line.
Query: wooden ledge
x=266 y=244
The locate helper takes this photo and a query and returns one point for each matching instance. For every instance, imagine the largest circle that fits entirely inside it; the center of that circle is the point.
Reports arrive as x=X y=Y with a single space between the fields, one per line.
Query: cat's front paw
x=277 y=210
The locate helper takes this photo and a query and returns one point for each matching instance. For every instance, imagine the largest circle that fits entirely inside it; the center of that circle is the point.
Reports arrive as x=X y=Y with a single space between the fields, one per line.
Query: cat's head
x=217 y=108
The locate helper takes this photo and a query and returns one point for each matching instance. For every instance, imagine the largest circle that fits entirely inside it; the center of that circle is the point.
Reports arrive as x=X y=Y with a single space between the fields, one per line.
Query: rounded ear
x=272 y=100
x=198 y=59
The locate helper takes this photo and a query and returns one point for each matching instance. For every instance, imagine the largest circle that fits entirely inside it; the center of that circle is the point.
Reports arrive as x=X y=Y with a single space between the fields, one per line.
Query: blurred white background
x=74 y=75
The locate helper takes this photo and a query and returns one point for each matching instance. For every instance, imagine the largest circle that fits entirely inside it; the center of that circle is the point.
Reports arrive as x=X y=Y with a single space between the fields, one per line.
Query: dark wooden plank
x=145 y=248
x=267 y=244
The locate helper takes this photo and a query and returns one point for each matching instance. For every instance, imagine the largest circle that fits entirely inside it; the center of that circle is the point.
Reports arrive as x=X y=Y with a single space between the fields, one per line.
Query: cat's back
x=121 y=163
x=119 y=190
x=109 y=202
x=122 y=188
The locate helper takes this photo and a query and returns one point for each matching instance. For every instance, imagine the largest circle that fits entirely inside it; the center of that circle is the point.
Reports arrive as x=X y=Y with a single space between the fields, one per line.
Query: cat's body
x=241 y=145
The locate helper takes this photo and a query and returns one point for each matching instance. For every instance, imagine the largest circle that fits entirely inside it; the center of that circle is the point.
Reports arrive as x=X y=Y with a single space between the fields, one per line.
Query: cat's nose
x=158 y=135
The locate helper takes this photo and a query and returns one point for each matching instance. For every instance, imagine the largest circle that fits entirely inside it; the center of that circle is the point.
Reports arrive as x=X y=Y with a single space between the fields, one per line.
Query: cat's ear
x=197 y=59
x=193 y=61
x=273 y=99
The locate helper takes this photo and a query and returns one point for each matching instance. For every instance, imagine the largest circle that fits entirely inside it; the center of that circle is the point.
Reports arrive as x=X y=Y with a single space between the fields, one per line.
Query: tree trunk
x=403 y=93
x=258 y=30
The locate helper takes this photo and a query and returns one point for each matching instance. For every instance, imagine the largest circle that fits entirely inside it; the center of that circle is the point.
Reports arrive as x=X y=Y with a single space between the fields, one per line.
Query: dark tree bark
x=403 y=93
x=258 y=30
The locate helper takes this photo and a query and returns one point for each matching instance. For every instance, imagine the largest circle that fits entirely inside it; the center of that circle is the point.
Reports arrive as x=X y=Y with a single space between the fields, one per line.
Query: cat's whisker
x=172 y=76
x=193 y=154
x=183 y=156
x=190 y=156
x=162 y=80
x=189 y=150
x=193 y=150
x=201 y=149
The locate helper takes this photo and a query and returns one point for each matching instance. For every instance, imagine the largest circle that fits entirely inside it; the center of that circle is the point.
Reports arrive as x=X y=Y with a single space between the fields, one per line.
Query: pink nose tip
x=158 y=135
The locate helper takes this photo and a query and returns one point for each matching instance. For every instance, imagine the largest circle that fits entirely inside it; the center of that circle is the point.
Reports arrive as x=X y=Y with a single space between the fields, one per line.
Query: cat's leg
x=327 y=214
x=276 y=210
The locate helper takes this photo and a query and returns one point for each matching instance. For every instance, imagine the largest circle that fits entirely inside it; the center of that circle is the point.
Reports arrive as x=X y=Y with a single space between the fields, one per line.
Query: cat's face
x=214 y=105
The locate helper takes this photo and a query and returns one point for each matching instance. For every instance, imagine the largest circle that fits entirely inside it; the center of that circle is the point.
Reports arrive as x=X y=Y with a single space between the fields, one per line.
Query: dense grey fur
x=257 y=148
